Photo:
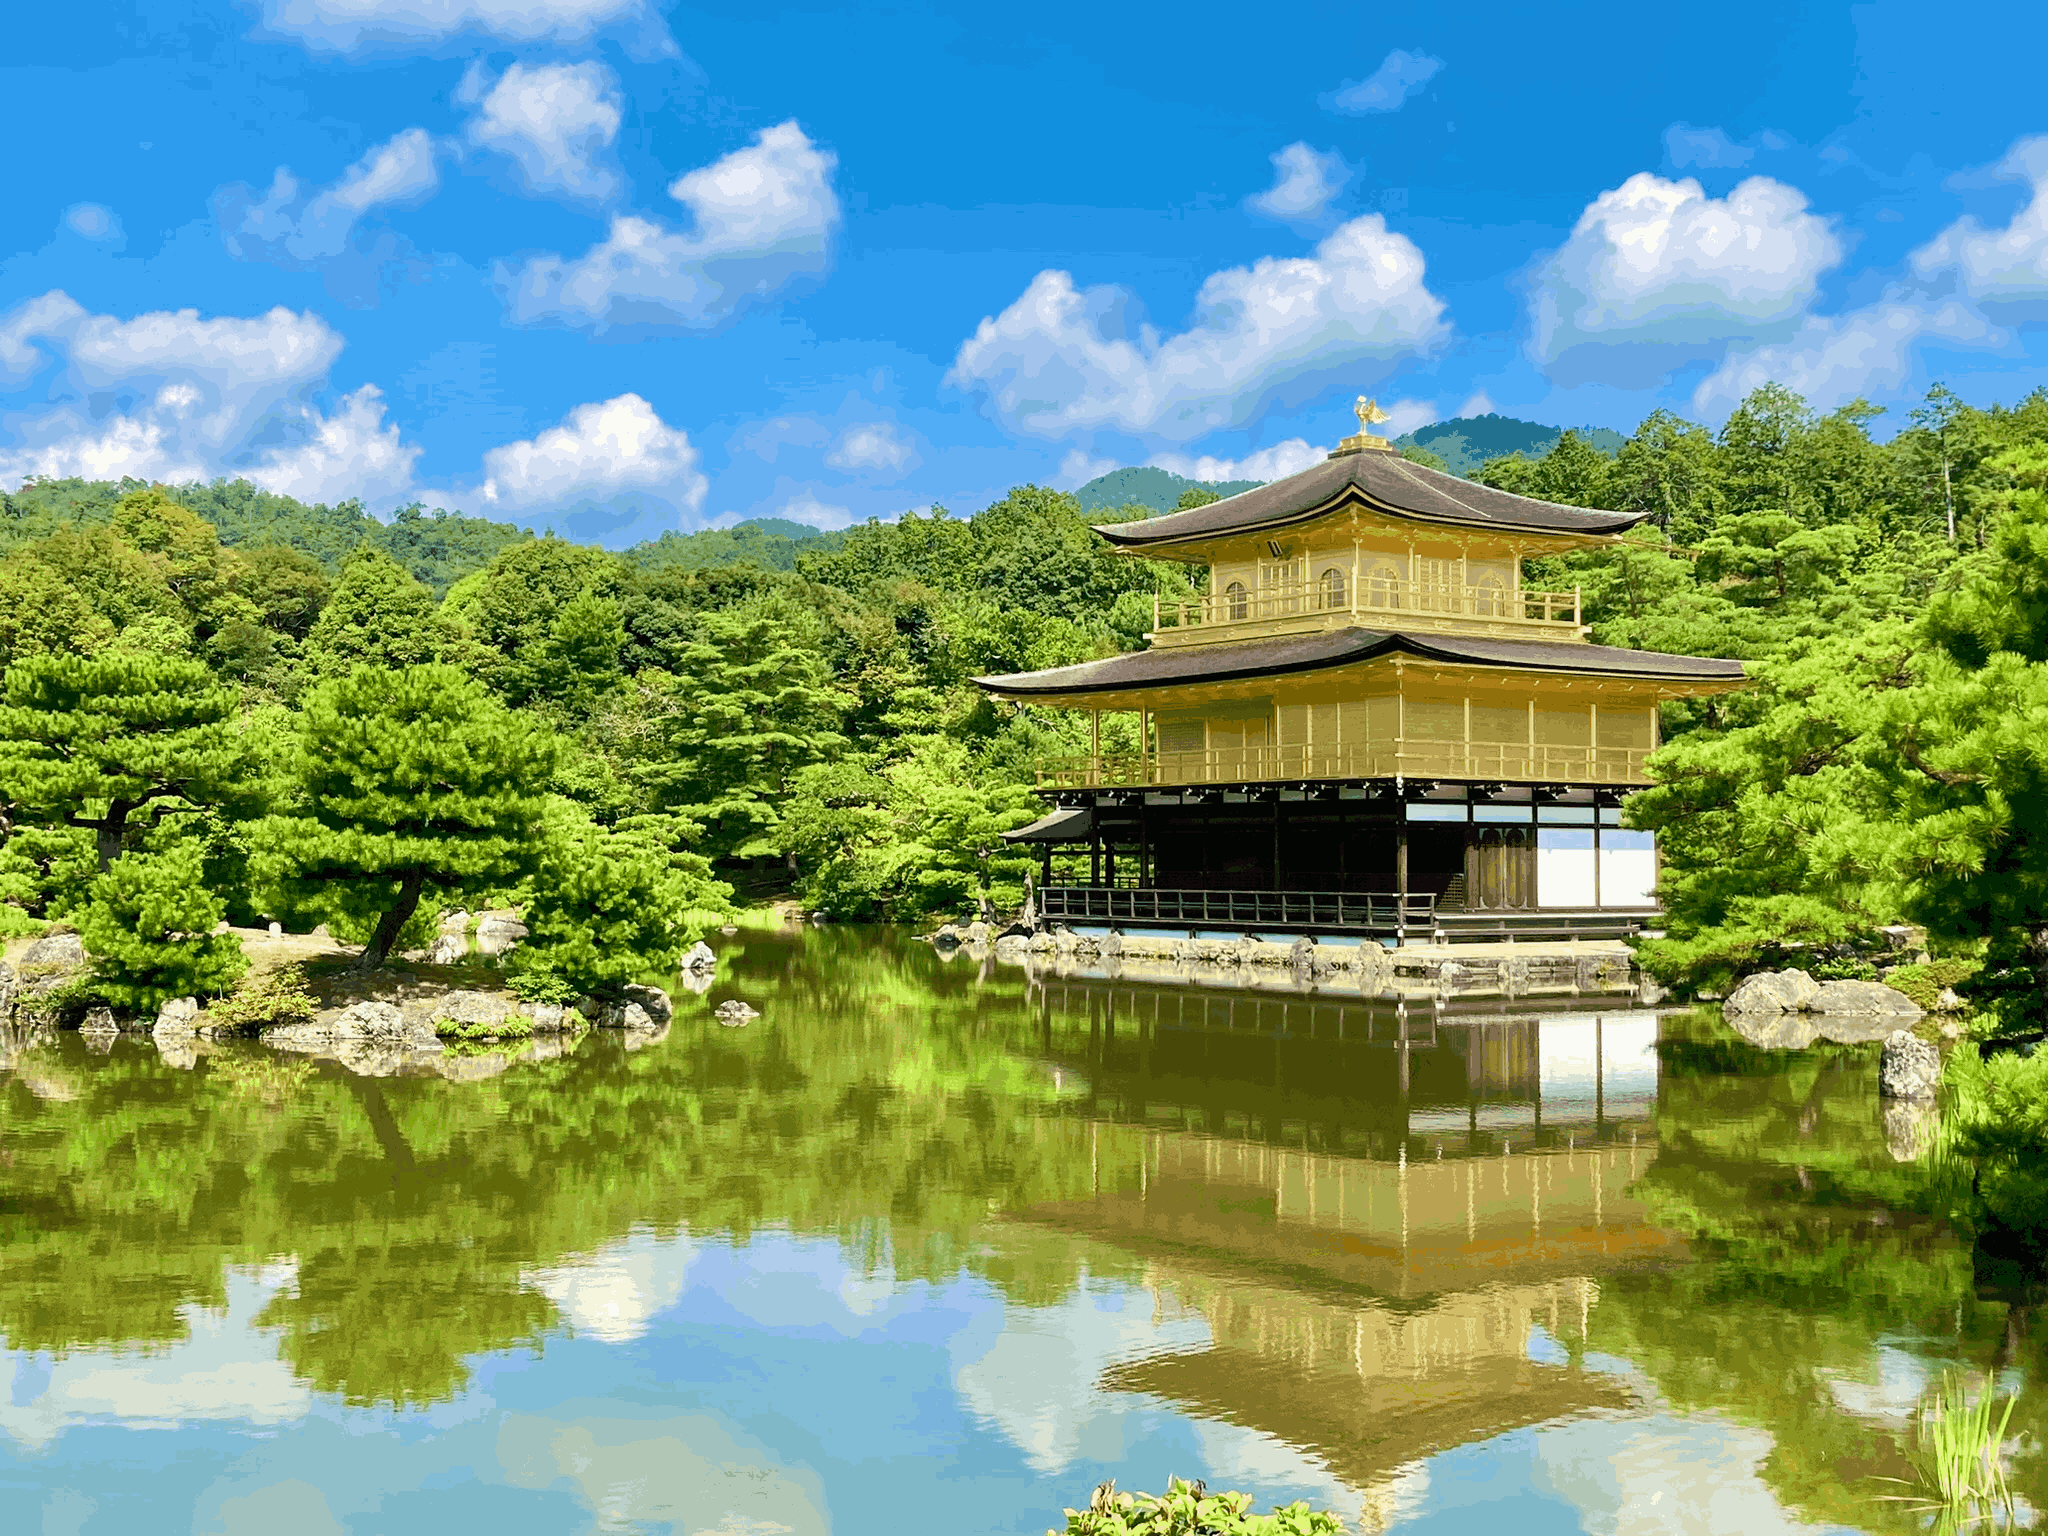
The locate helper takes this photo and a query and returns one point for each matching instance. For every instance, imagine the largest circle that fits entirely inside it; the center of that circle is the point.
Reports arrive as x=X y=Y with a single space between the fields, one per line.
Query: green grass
x=1956 y=1456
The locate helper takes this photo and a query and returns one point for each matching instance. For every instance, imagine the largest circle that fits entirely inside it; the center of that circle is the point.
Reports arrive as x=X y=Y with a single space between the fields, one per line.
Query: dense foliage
x=341 y=720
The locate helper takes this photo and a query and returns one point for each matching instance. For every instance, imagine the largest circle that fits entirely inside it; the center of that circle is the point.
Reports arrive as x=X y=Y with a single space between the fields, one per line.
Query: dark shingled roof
x=1335 y=648
x=1372 y=477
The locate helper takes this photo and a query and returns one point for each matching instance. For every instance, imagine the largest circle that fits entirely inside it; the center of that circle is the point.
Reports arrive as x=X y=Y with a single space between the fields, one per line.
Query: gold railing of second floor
x=1296 y=607
x=1511 y=762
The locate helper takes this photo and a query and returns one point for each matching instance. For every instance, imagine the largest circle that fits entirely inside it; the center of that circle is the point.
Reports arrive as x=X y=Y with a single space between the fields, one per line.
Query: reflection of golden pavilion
x=1373 y=1309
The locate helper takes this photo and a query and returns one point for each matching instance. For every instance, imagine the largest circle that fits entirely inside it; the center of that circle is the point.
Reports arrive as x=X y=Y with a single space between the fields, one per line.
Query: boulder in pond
x=178 y=1016
x=364 y=1024
x=1791 y=991
x=498 y=931
x=702 y=959
x=1911 y=1068
x=475 y=1009
x=1871 y=998
x=732 y=1013
x=653 y=1002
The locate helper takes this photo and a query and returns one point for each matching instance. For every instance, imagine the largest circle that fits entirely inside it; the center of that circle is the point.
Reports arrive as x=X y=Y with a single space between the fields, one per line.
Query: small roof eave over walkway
x=1071 y=824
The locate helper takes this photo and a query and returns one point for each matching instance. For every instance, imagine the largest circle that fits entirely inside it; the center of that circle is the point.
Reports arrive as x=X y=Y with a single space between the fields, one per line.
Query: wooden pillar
x=1044 y=865
x=1354 y=578
x=1095 y=854
x=1276 y=843
x=1144 y=844
x=1094 y=746
x=1401 y=869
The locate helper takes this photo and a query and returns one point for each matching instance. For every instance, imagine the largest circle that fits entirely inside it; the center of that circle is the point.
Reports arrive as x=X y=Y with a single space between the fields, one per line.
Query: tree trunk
x=393 y=921
x=2037 y=958
x=109 y=830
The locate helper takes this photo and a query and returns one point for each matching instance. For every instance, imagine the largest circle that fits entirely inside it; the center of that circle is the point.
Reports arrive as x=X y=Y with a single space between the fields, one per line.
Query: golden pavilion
x=1368 y=724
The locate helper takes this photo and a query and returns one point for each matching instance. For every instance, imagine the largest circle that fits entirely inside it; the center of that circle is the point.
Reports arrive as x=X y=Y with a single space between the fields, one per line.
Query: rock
x=1514 y=975
x=1911 y=1068
x=381 y=1025
x=277 y=930
x=1863 y=997
x=1948 y=1001
x=702 y=959
x=473 y=1008
x=498 y=931
x=1772 y=992
x=1011 y=948
x=732 y=1013
x=447 y=949
x=653 y=1002
x=978 y=933
x=633 y=1016
x=59 y=949
x=698 y=982
x=639 y=1039
x=179 y=1052
x=100 y=1041
x=1776 y=1031
x=99 y=1021
x=547 y=1018
x=178 y=1016
x=947 y=936
x=9 y=982
x=472 y=1069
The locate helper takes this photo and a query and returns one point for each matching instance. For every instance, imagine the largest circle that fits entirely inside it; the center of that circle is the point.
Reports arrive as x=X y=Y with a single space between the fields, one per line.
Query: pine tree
x=148 y=925
x=410 y=780
x=94 y=741
x=379 y=616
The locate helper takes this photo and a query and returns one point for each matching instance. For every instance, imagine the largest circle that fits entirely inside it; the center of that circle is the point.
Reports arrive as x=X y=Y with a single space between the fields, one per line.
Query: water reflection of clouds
x=225 y=1369
x=1036 y=1381
x=614 y=1293
x=1692 y=1476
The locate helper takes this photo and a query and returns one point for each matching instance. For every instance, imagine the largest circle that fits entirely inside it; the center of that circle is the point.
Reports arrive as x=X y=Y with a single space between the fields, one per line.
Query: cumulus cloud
x=1387 y=89
x=364 y=26
x=1479 y=403
x=1274 y=463
x=875 y=447
x=1832 y=360
x=764 y=217
x=296 y=229
x=94 y=221
x=1079 y=467
x=819 y=514
x=1061 y=359
x=556 y=122
x=1656 y=269
x=2000 y=266
x=616 y=1293
x=1304 y=181
x=173 y=396
x=608 y=449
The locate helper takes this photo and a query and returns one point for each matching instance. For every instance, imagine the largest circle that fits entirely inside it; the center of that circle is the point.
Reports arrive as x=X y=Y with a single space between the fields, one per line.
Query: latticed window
x=1236 y=600
x=1333 y=588
x=1490 y=596
x=1383 y=587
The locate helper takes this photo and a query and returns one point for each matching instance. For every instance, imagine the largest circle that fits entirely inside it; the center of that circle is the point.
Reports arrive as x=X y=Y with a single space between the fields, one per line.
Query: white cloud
x=1708 y=148
x=1657 y=267
x=600 y=451
x=2000 y=265
x=764 y=218
x=1833 y=360
x=355 y=26
x=1387 y=89
x=1274 y=463
x=767 y=439
x=294 y=230
x=95 y=221
x=1304 y=181
x=352 y=453
x=1061 y=359
x=1078 y=468
x=615 y=1293
x=1480 y=404
x=556 y=122
x=874 y=446
x=819 y=514
x=171 y=396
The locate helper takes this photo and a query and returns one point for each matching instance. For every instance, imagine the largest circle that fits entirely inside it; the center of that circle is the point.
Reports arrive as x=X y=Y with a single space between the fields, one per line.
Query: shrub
x=147 y=923
x=266 y=997
x=1188 y=1509
x=541 y=983
x=516 y=1026
x=1924 y=983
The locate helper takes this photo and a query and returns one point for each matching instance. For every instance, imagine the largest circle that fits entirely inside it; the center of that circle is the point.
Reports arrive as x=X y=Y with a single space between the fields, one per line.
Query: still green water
x=932 y=1247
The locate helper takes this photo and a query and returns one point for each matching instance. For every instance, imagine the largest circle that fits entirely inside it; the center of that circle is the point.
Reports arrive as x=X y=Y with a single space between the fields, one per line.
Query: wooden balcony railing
x=1294 y=607
x=1511 y=762
x=1379 y=913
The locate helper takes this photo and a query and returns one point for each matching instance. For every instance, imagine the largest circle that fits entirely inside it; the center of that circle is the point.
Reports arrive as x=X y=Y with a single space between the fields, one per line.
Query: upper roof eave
x=1376 y=480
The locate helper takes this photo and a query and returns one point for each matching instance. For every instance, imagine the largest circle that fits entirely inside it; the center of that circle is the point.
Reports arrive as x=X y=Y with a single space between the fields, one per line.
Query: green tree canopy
x=96 y=742
x=409 y=780
x=379 y=616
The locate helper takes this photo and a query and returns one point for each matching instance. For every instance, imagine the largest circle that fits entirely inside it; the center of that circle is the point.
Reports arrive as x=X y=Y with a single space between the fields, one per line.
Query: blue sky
x=613 y=267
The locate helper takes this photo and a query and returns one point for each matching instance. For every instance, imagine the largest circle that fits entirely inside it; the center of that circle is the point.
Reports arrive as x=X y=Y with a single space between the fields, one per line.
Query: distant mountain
x=772 y=543
x=1466 y=442
x=1158 y=489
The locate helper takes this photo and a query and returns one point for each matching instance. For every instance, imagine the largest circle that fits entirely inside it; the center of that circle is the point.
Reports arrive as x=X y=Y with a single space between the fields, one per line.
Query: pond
x=936 y=1246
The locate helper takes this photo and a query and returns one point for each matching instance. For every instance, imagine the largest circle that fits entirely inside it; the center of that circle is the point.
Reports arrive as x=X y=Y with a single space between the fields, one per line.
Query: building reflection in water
x=1394 y=1220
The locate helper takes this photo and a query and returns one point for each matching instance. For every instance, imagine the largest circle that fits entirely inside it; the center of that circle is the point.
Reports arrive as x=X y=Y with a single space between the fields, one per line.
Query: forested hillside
x=1465 y=442
x=767 y=707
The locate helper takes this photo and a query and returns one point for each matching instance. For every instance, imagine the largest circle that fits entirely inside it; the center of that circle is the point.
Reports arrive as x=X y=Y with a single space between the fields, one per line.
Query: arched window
x=1236 y=601
x=1333 y=589
x=1490 y=596
x=1383 y=587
